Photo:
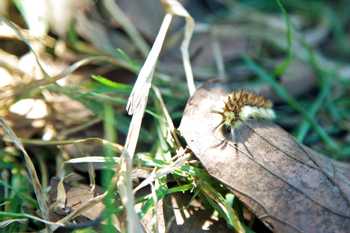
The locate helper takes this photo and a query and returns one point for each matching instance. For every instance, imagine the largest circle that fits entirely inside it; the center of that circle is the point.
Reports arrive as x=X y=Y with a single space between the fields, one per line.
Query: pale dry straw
x=138 y=100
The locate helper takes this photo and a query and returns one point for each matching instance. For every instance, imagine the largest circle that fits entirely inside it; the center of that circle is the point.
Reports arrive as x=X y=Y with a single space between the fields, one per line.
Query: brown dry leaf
x=181 y=213
x=36 y=112
x=24 y=128
x=290 y=187
x=69 y=111
x=76 y=195
x=30 y=108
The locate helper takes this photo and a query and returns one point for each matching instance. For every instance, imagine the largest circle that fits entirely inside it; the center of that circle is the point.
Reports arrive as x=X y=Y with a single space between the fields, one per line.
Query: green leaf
x=112 y=84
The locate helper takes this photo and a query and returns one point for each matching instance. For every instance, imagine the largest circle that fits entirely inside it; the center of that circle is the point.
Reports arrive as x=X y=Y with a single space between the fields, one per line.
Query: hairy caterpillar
x=243 y=105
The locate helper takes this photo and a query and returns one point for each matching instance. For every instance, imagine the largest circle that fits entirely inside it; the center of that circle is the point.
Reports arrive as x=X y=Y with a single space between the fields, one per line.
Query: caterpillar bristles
x=242 y=105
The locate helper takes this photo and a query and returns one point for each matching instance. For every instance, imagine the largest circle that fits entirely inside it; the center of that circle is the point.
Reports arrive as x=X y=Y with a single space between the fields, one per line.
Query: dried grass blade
x=218 y=57
x=172 y=137
x=18 y=32
x=24 y=215
x=144 y=78
x=7 y=222
x=40 y=195
x=61 y=195
x=175 y=8
x=85 y=206
x=165 y=171
x=136 y=106
x=115 y=146
x=124 y=184
x=92 y=159
x=125 y=22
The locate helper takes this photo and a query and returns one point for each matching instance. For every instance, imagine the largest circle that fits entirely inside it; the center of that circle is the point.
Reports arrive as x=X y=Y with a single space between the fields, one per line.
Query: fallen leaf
x=288 y=186
x=30 y=108
x=76 y=195
x=179 y=212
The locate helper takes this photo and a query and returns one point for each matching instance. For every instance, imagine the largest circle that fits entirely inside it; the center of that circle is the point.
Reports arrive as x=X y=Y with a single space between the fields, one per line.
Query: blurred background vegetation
x=68 y=67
